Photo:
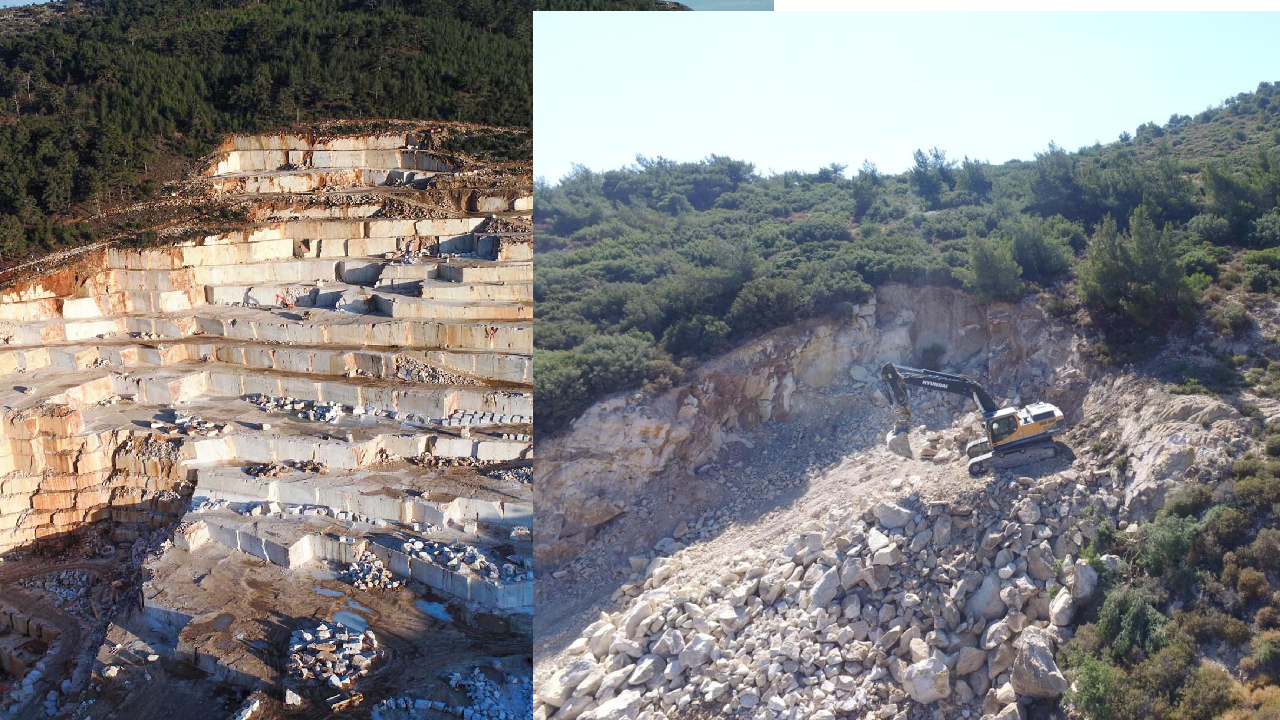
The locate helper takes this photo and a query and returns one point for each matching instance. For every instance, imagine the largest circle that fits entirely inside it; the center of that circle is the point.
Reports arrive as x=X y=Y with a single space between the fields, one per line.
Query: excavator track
x=1020 y=455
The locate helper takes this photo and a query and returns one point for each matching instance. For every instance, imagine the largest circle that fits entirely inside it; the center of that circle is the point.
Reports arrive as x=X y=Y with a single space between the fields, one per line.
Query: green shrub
x=1246 y=467
x=696 y=335
x=1267 y=618
x=1259 y=491
x=769 y=302
x=1200 y=261
x=1163 y=543
x=1266 y=230
x=1232 y=318
x=992 y=273
x=1226 y=525
x=1265 y=549
x=1129 y=619
x=1273 y=445
x=1097 y=686
x=1209 y=692
x=1188 y=501
x=1211 y=227
x=1252 y=585
x=1199 y=282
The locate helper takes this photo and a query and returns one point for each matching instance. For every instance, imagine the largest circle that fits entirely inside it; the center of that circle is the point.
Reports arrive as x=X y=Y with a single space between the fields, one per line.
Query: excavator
x=1015 y=436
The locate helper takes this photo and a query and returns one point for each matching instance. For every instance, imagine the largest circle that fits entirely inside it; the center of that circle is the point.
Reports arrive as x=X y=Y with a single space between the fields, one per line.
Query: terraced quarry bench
x=347 y=372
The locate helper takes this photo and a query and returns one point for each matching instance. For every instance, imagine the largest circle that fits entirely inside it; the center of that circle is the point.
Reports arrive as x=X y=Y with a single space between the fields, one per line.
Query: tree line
x=89 y=101
x=641 y=271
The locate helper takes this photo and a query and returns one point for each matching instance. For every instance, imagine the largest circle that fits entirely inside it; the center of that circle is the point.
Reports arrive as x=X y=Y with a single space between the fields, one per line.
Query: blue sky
x=798 y=91
x=16 y=3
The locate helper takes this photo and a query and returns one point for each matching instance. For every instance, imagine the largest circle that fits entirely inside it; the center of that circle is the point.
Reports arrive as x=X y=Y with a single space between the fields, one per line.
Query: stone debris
x=69 y=589
x=520 y=533
x=304 y=409
x=470 y=560
x=370 y=573
x=413 y=370
x=464 y=418
x=861 y=614
x=489 y=700
x=515 y=476
x=330 y=655
x=276 y=469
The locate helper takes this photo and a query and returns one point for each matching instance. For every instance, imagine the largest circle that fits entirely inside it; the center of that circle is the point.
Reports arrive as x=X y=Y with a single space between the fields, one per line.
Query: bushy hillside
x=597 y=5
x=642 y=270
x=94 y=96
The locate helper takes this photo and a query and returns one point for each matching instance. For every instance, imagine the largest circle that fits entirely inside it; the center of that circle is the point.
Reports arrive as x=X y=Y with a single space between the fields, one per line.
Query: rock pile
x=470 y=560
x=276 y=469
x=489 y=700
x=330 y=412
x=464 y=418
x=69 y=589
x=331 y=654
x=413 y=370
x=955 y=606
x=368 y=573
x=515 y=476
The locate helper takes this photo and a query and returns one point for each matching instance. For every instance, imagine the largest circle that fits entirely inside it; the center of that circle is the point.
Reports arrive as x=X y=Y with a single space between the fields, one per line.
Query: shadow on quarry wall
x=59 y=550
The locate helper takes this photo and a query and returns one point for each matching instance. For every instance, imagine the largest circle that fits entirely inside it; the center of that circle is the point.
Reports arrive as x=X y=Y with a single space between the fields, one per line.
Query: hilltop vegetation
x=93 y=98
x=642 y=270
x=597 y=5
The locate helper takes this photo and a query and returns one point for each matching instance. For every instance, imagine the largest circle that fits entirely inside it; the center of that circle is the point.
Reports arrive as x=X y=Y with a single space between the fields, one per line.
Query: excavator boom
x=898 y=377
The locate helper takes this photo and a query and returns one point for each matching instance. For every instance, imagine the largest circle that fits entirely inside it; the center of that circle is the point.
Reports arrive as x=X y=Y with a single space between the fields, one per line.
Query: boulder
x=1035 y=674
x=898 y=443
x=626 y=706
x=1083 y=582
x=1062 y=609
x=927 y=681
x=557 y=689
x=985 y=603
x=891 y=515
x=825 y=589
x=970 y=660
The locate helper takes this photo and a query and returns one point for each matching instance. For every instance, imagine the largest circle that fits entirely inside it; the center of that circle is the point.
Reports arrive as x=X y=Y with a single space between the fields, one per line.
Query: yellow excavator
x=1015 y=436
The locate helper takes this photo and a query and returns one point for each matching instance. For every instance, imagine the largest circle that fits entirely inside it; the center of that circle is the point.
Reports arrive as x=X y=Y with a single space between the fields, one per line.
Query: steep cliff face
x=588 y=475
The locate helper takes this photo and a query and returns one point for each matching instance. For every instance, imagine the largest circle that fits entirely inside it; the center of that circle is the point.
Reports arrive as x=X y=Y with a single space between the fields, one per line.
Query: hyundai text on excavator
x=1015 y=436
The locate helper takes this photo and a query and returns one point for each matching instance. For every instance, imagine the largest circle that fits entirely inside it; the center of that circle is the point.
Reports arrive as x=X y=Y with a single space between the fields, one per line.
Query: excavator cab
x=1000 y=428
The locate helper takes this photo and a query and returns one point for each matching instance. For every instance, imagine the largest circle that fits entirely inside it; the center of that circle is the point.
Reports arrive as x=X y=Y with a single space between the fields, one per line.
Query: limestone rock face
x=1035 y=674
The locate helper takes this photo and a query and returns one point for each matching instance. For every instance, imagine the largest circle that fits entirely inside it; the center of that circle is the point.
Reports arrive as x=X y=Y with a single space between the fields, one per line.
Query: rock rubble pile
x=331 y=654
x=69 y=589
x=955 y=607
x=369 y=573
x=470 y=560
x=489 y=700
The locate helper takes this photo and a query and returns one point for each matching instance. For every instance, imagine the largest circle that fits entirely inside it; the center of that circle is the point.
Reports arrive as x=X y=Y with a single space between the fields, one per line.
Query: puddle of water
x=351 y=621
x=358 y=607
x=326 y=591
x=435 y=610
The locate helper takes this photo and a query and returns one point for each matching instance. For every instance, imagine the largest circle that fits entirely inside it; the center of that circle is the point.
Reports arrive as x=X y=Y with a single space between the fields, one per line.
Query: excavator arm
x=898 y=377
